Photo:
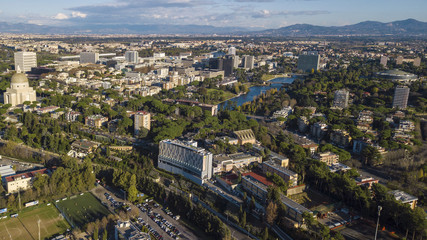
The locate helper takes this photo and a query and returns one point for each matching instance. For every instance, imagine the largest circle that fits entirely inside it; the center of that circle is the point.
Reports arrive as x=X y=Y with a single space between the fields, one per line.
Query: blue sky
x=243 y=13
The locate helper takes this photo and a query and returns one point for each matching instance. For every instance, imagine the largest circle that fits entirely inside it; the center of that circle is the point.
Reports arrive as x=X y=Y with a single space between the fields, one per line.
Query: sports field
x=82 y=209
x=25 y=226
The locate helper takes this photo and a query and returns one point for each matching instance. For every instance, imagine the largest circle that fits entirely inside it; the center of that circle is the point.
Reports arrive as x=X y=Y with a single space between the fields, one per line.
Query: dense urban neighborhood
x=213 y=137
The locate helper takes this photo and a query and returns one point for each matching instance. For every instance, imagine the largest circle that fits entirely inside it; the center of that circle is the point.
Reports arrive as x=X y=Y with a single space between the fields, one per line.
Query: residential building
x=72 y=116
x=89 y=57
x=287 y=175
x=303 y=124
x=131 y=56
x=24 y=61
x=341 y=98
x=232 y=51
x=406 y=126
x=284 y=112
x=340 y=138
x=245 y=136
x=141 y=120
x=19 y=91
x=185 y=158
x=22 y=181
x=400 y=98
x=329 y=158
x=319 y=130
x=95 y=121
x=404 y=197
x=309 y=61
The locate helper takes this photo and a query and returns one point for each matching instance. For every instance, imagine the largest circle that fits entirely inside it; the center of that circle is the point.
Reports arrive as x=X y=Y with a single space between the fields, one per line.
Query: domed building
x=19 y=91
x=397 y=76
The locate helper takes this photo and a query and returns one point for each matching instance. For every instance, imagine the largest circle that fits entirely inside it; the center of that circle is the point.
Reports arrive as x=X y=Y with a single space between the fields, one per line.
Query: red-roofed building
x=228 y=181
x=256 y=184
x=366 y=181
x=22 y=181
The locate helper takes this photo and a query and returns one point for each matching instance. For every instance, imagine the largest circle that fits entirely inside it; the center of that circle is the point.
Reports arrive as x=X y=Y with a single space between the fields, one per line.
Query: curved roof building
x=19 y=91
x=397 y=75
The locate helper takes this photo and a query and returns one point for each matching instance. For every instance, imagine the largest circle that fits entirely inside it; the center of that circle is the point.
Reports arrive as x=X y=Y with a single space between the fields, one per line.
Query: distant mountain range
x=409 y=27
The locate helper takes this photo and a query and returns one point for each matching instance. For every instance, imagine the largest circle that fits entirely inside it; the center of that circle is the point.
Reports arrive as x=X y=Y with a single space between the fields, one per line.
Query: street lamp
x=378 y=221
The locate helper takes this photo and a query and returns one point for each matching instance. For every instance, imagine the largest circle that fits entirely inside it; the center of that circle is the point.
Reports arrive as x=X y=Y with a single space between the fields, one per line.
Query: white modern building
x=131 y=56
x=186 y=159
x=19 y=91
x=24 y=61
x=89 y=57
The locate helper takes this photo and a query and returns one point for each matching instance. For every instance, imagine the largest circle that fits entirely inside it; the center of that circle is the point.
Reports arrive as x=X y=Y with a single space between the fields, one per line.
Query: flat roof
x=258 y=178
x=276 y=166
x=6 y=170
x=25 y=175
x=403 y=196
x=294 y=205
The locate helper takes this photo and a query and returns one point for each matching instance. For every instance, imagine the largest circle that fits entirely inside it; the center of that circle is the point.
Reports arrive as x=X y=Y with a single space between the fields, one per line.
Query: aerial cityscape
x=191 y=119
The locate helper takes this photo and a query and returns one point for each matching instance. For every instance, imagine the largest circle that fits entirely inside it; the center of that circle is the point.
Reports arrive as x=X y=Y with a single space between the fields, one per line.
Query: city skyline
x=220 y=13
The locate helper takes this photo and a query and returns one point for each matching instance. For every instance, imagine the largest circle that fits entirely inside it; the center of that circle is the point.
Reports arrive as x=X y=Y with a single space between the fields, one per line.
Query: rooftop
x=245 y=134
x=280 y=168
x=258 y=178
x=6 y=170
x=26 y=175
x=403 y=196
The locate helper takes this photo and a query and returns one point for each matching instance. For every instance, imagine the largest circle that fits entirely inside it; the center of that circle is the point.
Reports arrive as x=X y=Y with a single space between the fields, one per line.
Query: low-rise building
x=256 y=185
x=226 y=162
x=96 y=121
x=404 y=197
x=72 y=116
x=47 y=110
x=82 y=147
x=128 y=231
x=329 y=158
x=367 y=181
x=287 y=175
x=245 y=136
x=22 y=181
x=6 y=170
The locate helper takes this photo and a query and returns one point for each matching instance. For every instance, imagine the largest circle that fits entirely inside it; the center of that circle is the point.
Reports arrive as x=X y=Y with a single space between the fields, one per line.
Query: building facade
x=24 y=61
x=400 y=98
x=89 y=57
x=186 y=159
x=341 y=98
x=287 y=175
x=141 y=120
x=308 y=61
x=22 y=181
x=131 y=56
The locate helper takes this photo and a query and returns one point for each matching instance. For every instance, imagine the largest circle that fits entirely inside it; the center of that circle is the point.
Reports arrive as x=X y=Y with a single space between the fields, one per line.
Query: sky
x=219 y=13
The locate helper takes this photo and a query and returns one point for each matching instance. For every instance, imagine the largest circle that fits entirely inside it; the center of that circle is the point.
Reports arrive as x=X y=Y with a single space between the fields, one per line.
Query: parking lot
x=157 y=221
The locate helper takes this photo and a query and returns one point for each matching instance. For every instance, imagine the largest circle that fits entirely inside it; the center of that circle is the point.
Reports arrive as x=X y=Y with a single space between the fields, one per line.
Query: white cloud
x=78 y=15
x=60 y=16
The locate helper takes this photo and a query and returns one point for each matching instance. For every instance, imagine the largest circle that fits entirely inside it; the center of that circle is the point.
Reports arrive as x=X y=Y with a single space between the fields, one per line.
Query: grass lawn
x=268 y=77
x=25 y=226
x=314 y=201
x=224 y=95
x=82 y=209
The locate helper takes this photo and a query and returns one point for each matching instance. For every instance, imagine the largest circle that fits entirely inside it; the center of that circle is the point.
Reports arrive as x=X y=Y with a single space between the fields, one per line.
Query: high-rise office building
x=228 y=65
x=248 y=62
x=400 y=99
x=141 y=120
x=341 y=98
x=186 y=159
x=308 y=61
x=131 y=56
x=89 y=57
x=24 y=61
